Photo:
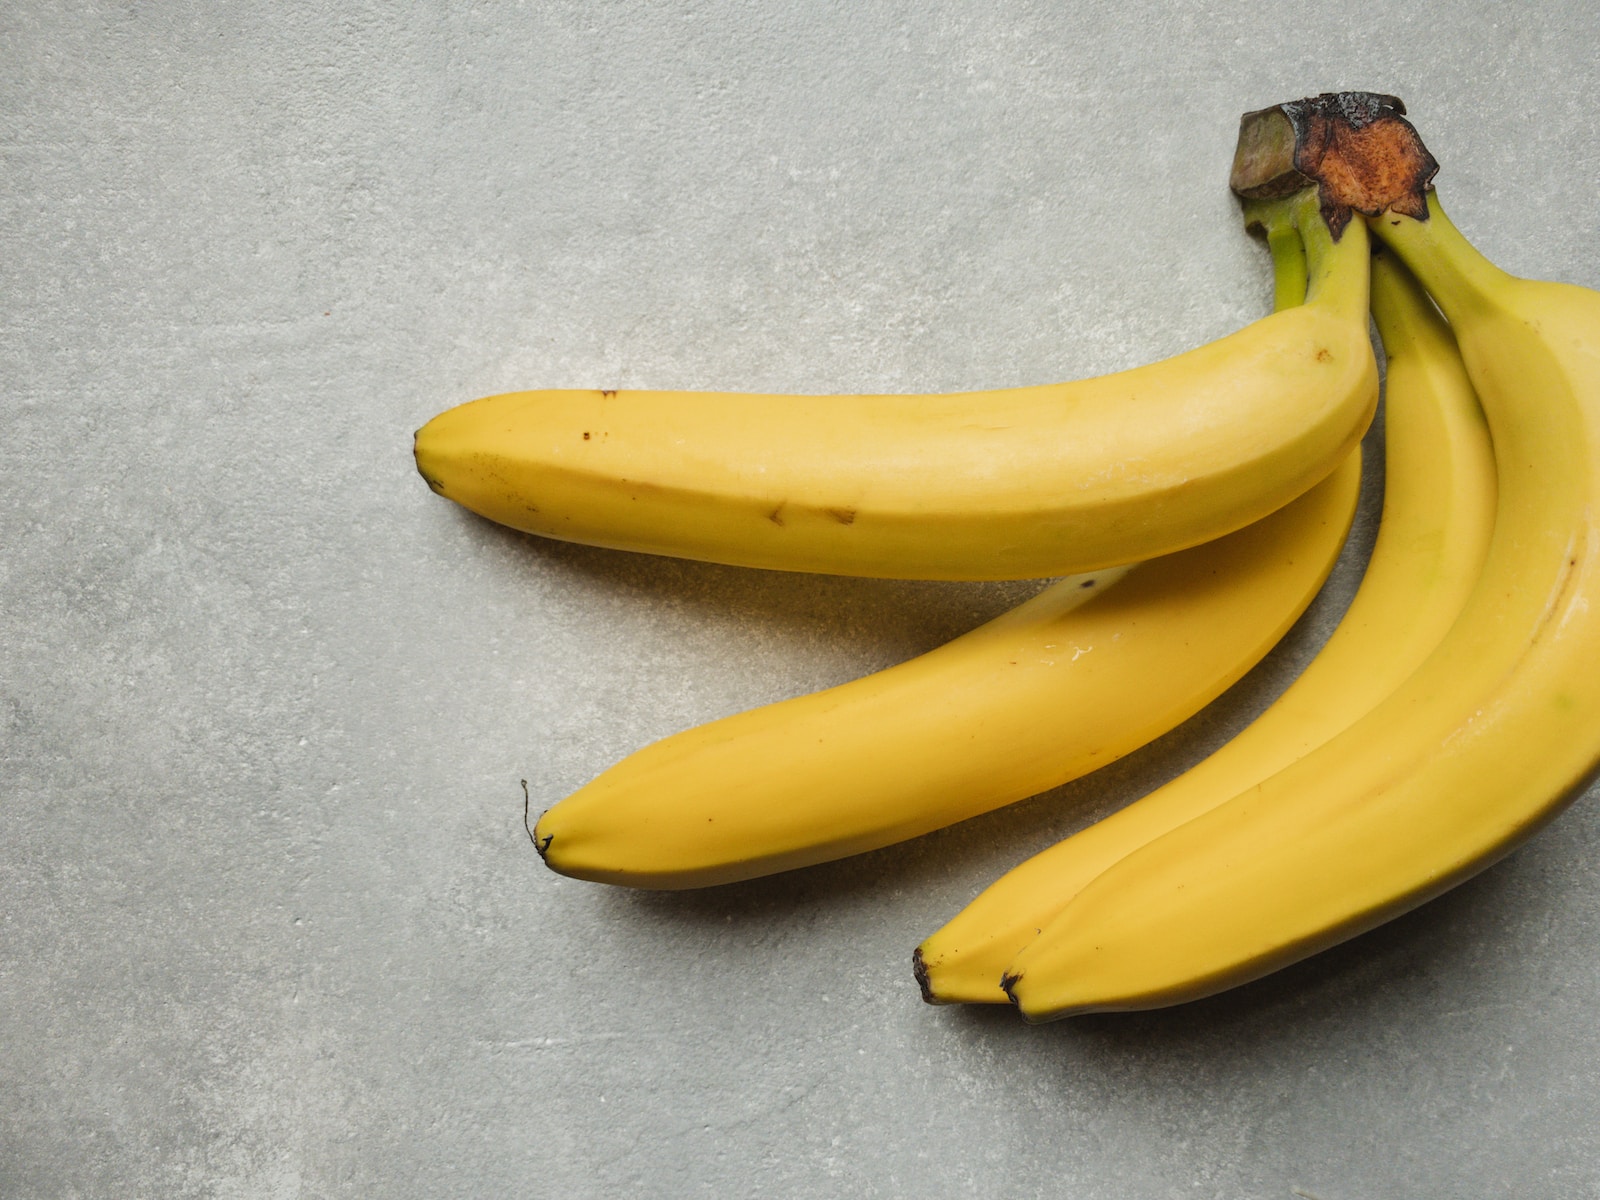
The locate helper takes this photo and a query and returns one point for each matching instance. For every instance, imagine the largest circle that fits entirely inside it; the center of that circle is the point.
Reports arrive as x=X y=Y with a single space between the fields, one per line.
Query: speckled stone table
x=270 y=925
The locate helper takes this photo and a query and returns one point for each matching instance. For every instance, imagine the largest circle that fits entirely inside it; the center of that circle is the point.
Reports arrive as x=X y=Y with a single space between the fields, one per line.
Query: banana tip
x=431 y=480
x=541 y=844
x=919 y=968
x=1007 y=983
x=420 y=455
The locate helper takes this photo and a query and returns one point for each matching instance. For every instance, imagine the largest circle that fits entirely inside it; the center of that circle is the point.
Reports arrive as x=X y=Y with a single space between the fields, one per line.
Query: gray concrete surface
x=269 y=922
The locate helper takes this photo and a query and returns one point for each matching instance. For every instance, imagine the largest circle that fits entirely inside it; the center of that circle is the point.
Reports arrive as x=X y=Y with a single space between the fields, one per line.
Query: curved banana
x=1076 y=677
x=1018 y=483
x=1438 y=513
x=1481 y=746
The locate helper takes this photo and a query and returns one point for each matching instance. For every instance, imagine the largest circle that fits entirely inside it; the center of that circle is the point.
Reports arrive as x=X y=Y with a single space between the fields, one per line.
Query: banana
x=1018 y=483
x=1438 y=514
x=1072 y=679
x=1478 y=749
x=1076 y=677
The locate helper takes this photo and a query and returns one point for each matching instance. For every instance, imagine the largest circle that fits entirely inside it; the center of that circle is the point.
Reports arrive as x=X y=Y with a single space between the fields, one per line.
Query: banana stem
x=1288 y=268
x=1404 y=313
x=1276 y=218
x=1437 y=253
x=1310 y=265
x=1338 y=268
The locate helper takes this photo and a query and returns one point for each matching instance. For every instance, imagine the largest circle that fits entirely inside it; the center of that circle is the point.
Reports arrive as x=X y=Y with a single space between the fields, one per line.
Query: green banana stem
x=1289 y=273
x=1339 y=268
x=1276 y=218
x=1310 y=266
x=1401 y=321
x=1435 y=250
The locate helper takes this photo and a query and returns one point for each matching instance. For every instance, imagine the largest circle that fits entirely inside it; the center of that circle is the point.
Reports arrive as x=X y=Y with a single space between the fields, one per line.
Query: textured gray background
x=269 y=923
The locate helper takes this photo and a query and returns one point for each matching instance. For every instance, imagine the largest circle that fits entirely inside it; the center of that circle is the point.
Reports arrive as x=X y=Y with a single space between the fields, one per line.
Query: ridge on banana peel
x=1438 y=514
x=1016 y=483
x=1070 y=680
x=1485 y=743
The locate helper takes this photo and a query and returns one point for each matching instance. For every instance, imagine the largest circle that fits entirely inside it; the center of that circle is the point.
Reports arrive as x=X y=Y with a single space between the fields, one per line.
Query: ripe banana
x=1065 y=683
x=1438 y=513
x=1018 y=483
x=1480 y=747
x=1074 y=678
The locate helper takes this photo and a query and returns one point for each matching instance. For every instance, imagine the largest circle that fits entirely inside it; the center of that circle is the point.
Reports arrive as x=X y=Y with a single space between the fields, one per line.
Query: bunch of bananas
x=1191 y=510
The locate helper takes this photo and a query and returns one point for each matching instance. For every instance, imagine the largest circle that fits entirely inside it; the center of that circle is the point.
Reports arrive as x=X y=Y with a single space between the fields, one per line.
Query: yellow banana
x=1018 y=483
x=1043 y=694
x=1481 y=746
x=1067 y=682
x=1438 y=513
